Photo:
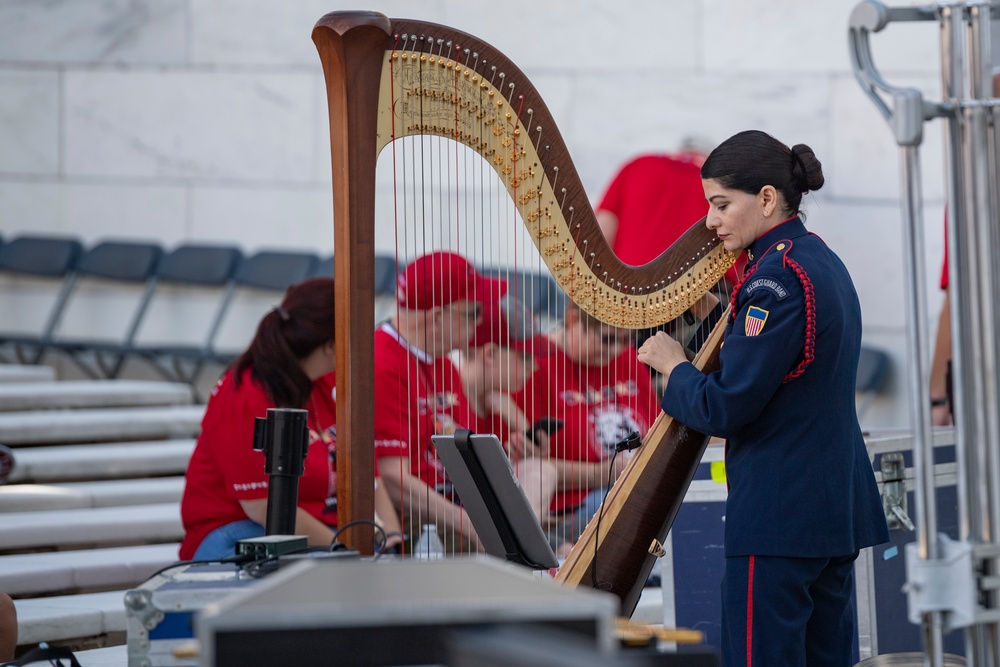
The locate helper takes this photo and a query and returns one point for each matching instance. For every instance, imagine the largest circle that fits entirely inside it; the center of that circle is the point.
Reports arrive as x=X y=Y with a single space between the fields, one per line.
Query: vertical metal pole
x=994 y=177
x=961 y=274
x=981 y=186
x=864 y=572
x=981 y=85
x=964 y=293
x=973 y=254
x=919 y=353
x=979 y=205
x=988 y=401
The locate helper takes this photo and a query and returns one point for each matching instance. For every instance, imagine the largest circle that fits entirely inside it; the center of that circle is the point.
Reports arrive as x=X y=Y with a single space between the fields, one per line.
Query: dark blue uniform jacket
x=801 y=484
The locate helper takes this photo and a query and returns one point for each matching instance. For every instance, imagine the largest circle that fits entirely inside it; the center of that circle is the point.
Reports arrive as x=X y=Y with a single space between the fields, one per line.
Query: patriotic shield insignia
x=755 y=319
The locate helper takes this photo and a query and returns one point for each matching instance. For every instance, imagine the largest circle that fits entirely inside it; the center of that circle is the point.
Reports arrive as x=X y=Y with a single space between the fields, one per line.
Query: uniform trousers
x=788 y=612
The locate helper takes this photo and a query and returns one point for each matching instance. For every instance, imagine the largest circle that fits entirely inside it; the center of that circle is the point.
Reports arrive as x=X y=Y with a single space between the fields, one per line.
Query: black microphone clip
x=629 y=442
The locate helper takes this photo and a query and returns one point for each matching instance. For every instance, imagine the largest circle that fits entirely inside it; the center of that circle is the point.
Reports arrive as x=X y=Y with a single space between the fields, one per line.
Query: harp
x=389 y=79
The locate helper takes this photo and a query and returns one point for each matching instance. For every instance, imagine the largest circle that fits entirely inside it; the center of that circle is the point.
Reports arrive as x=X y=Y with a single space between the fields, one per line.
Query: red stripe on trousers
x=750 y=614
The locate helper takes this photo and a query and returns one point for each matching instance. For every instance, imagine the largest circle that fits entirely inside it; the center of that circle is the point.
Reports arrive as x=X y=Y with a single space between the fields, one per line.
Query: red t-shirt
x=944 y=268
x=416 y=396
x=492 y=423
x=944 y=265
x=225 y=469
x=599 y=406
x=656 y=198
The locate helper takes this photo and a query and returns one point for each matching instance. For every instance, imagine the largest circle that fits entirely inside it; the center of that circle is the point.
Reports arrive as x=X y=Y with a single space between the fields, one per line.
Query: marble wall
x=203 y=120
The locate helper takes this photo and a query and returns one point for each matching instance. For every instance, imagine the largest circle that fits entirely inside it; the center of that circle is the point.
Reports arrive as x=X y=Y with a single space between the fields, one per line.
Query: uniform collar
x=789 y=229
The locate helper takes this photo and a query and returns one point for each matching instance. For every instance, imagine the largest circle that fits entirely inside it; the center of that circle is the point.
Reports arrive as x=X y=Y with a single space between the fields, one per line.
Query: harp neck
x=435 y=80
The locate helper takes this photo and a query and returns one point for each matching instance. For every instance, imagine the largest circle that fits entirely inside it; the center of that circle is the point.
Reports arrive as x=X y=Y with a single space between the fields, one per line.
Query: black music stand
x=490 y=493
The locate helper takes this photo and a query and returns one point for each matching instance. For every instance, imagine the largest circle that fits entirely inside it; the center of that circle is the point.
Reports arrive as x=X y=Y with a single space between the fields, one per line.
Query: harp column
x=351 y=50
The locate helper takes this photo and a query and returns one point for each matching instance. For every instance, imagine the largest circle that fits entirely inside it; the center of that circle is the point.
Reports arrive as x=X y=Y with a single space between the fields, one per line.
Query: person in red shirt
x=418 y=391
x=593 y=382
x=290 y=363
x=940 y=363
x=649 y=204
x=500 y=358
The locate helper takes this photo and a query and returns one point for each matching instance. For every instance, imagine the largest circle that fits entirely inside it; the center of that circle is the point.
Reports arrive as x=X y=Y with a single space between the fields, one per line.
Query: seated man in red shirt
x=593 y=382
x=418 y=391
x=501 y=357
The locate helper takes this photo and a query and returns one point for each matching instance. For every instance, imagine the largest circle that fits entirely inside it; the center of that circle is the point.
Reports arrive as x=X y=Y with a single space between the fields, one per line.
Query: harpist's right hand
x=662 y=353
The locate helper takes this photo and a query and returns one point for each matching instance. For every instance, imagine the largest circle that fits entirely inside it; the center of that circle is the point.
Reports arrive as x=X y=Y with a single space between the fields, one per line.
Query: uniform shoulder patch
x=768 y=284
x=755 y=319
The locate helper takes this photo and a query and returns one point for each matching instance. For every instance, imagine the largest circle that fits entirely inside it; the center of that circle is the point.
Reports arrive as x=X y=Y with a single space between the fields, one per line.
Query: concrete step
x=88 y=569
x=69 y=617
x=109 y=656
x=25 y=396
x=102 y=526
x=78 y=495
x=24 y=373
x=63 y=463
x=85 y=426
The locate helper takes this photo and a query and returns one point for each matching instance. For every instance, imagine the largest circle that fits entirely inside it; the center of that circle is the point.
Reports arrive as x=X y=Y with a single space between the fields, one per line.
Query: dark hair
x=752 y=159
x=286 y=335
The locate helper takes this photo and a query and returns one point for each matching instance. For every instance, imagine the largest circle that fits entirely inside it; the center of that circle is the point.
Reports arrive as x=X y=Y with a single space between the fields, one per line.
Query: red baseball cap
x=507 y=322
x=440 y=278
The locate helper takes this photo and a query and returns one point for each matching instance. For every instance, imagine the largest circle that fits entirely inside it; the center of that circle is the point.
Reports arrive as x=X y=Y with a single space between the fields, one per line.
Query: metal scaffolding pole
x=951 y=585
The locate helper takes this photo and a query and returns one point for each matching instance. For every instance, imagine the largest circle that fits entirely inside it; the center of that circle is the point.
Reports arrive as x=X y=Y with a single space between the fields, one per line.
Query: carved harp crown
x=392 y=78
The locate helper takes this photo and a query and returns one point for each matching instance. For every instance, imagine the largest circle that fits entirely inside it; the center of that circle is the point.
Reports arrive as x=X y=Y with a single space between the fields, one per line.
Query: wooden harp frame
x=467 y=91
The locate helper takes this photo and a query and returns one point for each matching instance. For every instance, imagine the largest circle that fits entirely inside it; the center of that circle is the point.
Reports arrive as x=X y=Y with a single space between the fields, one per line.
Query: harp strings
x=608 y=378
x=447 y=196
x=444 y=198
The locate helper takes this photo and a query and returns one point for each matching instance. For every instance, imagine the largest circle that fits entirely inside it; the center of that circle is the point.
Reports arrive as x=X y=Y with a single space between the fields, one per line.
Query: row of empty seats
x=145 y=268
x=154 y=293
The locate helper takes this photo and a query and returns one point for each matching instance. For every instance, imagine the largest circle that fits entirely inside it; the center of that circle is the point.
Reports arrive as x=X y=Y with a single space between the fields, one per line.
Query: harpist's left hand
x=662 y=353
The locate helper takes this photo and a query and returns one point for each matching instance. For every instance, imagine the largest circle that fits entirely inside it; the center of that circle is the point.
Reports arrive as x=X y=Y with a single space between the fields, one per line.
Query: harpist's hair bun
x=807 y=172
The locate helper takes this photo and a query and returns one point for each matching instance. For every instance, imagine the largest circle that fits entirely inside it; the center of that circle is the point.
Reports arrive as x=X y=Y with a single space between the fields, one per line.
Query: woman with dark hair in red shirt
x=289 y=364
